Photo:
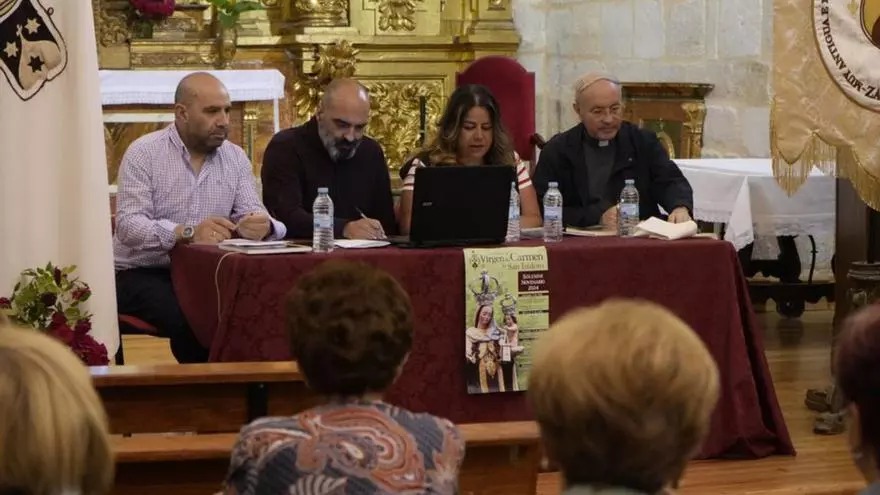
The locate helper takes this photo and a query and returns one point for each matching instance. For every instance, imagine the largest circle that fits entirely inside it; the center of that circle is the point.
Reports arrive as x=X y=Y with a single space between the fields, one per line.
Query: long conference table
x=234 y=303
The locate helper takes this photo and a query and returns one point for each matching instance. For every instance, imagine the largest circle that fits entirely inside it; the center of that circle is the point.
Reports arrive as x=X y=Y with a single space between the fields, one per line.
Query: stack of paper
x=660 y=229
x=359 y=243
x=595 y=231
x=263 y=247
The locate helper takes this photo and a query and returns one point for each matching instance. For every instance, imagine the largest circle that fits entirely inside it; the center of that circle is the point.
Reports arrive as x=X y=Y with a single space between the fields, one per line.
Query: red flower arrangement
x=153 y=9
x=48 y=299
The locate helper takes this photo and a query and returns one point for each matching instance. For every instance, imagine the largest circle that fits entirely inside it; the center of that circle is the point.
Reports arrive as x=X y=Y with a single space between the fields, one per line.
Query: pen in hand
x=381 y=230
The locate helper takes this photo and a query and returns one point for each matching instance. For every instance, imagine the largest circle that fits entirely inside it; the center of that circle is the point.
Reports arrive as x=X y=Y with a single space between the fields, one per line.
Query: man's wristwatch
x=188 y=233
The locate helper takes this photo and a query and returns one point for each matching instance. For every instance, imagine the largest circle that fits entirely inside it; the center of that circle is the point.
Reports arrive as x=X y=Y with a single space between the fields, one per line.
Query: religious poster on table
x=507 y=308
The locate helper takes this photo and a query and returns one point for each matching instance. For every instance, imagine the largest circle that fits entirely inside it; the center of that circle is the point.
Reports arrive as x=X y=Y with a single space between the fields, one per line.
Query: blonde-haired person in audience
x=470 y=133
x=351 y=329
x=53 y=428
x=623 y=393
x=857 y=365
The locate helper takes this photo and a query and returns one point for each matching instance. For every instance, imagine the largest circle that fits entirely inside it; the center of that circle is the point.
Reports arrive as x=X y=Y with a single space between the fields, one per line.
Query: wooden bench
x=501 y=458
x=215 y=400
x=203 y=398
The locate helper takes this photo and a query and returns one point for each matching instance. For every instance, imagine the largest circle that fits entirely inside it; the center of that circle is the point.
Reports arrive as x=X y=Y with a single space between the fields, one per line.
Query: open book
x=263 y=247
x=660 y=229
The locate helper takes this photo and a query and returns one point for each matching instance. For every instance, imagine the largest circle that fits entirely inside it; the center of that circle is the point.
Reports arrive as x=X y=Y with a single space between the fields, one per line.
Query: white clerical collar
x=603 y=144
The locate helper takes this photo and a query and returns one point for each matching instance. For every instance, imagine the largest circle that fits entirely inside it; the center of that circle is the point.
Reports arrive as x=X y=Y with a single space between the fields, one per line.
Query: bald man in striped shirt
x=183 y=184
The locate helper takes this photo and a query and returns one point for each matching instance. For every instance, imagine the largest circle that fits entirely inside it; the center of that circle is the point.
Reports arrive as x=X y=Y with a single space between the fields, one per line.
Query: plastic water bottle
x=553 y=213
x=628 y=210
x=513 y=224
x=322 y=213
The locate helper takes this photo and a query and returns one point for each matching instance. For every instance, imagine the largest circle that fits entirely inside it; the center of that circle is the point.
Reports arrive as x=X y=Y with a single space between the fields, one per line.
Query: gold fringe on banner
x=816 y=153
x=850 y=167
x=815 y=121
x=840 y=161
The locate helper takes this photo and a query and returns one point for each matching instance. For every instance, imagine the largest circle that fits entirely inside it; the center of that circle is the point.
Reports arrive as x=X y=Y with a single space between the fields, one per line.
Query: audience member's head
x=343 y=114
x=623 y=393
x=857 y=365
x=470 y=130
x=53 y=429
x=598 y=103
x=350 y=327
x=201 y=112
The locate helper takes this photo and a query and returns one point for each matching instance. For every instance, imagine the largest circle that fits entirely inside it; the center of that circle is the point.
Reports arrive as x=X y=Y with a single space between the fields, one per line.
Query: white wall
x=725 y=43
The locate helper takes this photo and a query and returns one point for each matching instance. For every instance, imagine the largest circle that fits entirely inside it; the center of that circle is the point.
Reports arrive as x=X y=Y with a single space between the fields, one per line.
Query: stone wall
x=723 y=42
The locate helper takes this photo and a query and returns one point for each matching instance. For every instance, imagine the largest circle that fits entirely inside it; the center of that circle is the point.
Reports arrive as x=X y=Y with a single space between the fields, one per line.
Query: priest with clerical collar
x=331 y=150
x=591 y=161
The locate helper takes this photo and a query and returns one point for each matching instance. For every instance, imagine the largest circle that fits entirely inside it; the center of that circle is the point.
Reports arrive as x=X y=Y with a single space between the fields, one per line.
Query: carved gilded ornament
x=397 y=15
x=227 y=45
x=321 y=12
x=331 y=62
x=111 y=27
x=665 y=139
x=496 y=5
x=171 y=60
x=696 y=114
x=394 y=116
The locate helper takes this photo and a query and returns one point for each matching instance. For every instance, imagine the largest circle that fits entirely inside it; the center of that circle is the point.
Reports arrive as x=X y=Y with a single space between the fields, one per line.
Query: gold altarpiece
x=406 y=51
x=675 y=111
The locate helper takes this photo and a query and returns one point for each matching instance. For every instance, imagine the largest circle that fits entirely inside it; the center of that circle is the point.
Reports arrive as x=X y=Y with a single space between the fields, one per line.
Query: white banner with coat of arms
x=507 y=308
x=53 y=171
x=826 y=82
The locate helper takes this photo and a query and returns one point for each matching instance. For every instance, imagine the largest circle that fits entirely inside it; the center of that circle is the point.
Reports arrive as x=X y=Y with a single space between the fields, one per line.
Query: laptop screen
x=458 y=204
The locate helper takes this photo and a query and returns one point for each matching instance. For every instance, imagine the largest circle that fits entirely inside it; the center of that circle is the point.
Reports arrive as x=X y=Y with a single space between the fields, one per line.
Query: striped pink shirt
x=158 y=191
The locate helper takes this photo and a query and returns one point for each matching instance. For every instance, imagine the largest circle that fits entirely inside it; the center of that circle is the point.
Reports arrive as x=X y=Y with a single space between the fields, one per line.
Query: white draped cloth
x=743 y=194
x=156 y=87
x=53 y=171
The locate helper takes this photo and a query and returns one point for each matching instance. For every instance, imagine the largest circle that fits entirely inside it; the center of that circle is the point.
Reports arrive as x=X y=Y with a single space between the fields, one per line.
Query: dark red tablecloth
x=700 y=280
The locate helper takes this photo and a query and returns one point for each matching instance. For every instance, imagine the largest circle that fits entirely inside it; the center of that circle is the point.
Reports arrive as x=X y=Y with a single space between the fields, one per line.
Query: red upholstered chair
x=514 y=88
x=128 y=325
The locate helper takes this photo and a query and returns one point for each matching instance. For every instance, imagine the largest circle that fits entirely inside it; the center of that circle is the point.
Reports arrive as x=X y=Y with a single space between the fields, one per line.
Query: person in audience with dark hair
x=470 y=133
x=54 y=436
x=857 y=363
x=351 y=330
x=623 y=393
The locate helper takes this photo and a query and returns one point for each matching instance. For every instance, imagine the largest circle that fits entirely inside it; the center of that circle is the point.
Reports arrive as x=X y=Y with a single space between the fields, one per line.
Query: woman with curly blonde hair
x=53 y=429
x=470 y=133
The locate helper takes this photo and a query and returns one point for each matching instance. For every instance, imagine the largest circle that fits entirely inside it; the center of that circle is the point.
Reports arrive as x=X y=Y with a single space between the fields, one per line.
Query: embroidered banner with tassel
x=826 y=81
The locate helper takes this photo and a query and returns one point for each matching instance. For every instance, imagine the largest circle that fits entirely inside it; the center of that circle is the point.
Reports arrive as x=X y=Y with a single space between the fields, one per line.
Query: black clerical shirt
x=296 y=164
x=599 y=160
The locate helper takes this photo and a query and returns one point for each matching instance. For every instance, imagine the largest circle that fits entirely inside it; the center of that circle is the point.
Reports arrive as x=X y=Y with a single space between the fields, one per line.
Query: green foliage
x=228 y=11
x=41 y=293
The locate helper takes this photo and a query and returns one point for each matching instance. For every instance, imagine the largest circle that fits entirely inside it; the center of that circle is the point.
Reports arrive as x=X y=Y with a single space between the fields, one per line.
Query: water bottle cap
x=553 y=184
x=323 y=190
x=629 y=181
